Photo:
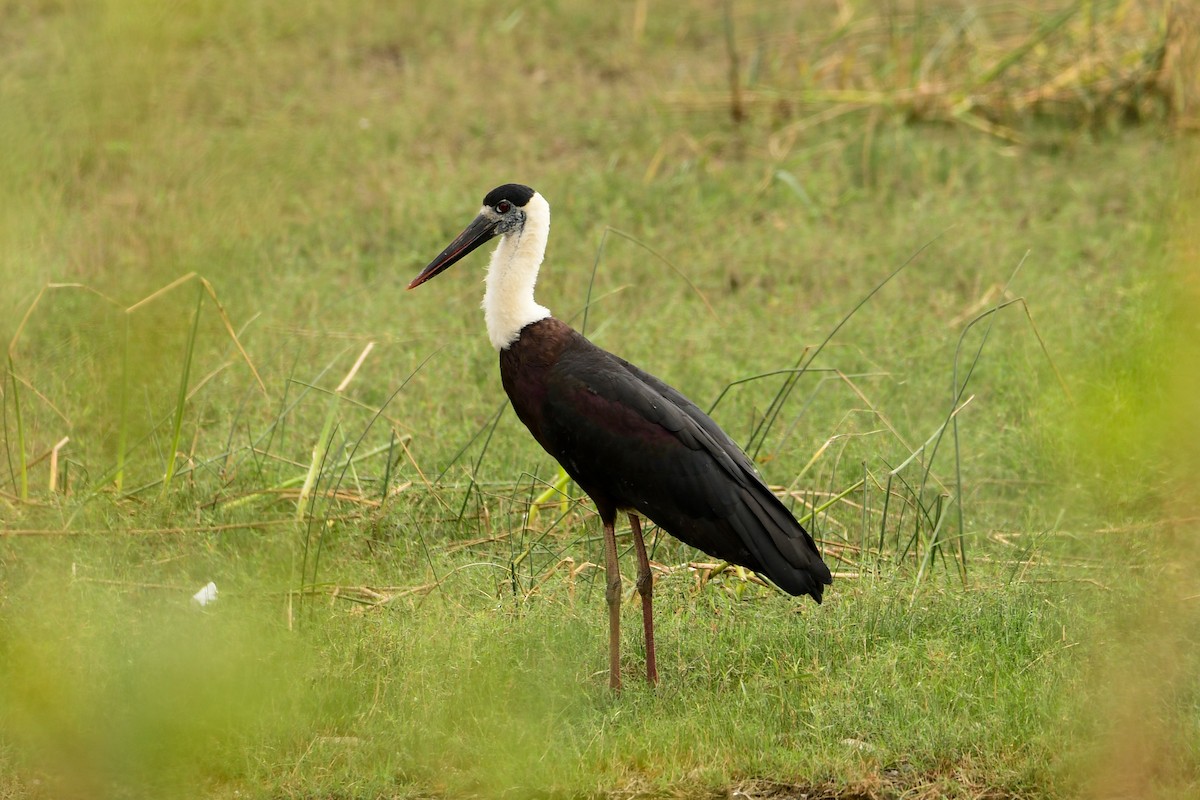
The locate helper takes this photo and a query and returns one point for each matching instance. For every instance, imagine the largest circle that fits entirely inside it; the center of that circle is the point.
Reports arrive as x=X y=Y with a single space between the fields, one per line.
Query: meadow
x=935 y=264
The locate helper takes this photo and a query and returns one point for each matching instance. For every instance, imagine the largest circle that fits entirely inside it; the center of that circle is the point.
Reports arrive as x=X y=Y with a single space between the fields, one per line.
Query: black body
x=632 y=442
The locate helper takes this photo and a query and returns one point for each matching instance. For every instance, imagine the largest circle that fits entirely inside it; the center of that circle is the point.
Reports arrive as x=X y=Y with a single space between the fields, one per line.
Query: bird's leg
x=613 y=595
x=645 y=585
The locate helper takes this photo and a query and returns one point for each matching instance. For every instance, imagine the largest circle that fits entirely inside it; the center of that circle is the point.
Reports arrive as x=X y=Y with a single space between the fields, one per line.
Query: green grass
x=1015 y=607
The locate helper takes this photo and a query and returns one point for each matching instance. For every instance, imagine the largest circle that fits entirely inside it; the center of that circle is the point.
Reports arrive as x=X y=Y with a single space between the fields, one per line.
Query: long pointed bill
x=478 y=232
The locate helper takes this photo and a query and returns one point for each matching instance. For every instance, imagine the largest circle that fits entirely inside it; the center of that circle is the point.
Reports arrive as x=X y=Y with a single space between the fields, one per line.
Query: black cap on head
x=514 y=193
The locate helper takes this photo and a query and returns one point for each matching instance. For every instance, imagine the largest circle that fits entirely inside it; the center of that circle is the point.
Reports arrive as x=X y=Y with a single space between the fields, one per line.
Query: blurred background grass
x=416 y=634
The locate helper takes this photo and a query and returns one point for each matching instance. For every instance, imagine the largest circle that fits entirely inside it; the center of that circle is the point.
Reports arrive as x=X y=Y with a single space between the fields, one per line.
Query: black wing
x=632 y=441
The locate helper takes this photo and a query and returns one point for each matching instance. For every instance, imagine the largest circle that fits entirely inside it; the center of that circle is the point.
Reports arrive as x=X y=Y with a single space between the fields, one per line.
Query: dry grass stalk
x=985 y=67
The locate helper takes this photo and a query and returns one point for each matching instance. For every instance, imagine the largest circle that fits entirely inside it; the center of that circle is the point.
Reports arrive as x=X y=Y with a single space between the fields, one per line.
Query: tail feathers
x=786 y=553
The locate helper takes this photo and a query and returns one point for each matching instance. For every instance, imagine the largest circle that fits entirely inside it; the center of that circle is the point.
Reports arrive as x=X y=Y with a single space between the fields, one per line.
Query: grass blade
x=181 y=398
x=22 y=464
x=806 y=358
x=123 y=407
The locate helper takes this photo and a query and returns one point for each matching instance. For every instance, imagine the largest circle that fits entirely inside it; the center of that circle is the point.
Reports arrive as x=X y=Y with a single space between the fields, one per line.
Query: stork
x=630 y=441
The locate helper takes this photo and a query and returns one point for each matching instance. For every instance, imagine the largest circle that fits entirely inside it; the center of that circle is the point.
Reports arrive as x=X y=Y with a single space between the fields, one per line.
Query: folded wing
x=634 y=442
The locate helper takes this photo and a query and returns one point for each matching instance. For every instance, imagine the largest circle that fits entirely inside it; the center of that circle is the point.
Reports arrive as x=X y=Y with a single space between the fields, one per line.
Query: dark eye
x=504 y=206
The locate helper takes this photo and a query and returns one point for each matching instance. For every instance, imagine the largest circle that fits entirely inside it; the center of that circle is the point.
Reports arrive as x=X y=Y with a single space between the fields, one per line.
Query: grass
x=994 y=450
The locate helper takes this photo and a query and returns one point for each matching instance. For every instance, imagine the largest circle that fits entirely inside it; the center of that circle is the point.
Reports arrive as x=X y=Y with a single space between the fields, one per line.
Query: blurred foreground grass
x=393 y=620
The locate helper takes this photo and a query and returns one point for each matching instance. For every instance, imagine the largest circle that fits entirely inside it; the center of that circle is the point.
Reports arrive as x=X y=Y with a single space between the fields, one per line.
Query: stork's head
x=503 y=212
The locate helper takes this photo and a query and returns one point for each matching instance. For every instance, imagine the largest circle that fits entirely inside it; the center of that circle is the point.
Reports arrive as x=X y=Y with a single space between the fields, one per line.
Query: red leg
x=645 y=585
x=612 y=594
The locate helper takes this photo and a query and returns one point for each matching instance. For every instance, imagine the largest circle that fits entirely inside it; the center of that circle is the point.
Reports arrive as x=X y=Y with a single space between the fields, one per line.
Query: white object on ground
x=206 y=595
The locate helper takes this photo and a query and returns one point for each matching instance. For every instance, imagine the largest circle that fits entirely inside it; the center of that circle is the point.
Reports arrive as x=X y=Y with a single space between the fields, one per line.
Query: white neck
x=508 y=304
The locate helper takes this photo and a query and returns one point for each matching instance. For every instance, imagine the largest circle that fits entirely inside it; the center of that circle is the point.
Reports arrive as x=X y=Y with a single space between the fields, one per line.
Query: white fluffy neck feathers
x=508 y=304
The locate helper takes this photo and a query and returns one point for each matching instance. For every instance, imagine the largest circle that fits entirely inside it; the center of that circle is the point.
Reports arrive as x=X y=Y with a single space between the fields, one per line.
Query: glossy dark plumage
x=632 y=442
